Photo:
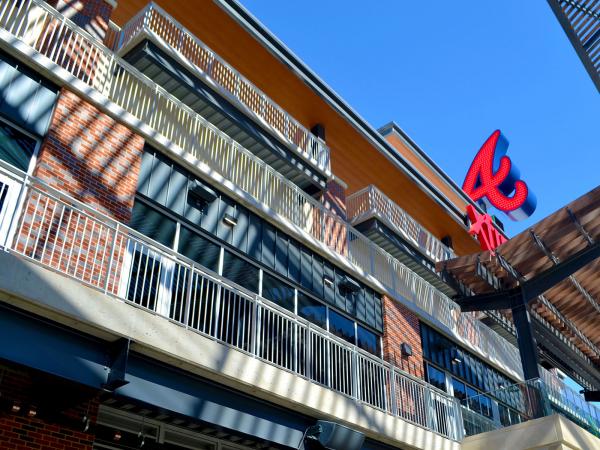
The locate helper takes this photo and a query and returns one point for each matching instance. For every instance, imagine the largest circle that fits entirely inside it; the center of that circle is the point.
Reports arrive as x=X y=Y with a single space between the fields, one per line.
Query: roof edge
x=301 y=69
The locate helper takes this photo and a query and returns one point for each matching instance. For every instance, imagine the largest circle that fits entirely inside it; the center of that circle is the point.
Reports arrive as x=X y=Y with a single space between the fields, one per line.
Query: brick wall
x=96 y=160
x=334 y=199
x=401 y=325
x=90 y=156
x=92 y=15
x=58 y=422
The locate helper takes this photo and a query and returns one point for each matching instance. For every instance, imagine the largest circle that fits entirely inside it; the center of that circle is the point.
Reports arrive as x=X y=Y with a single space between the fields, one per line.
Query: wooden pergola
x=552 y=268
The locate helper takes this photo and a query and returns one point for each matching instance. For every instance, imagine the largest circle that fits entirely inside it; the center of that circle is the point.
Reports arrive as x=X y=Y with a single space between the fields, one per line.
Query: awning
x=555 y=264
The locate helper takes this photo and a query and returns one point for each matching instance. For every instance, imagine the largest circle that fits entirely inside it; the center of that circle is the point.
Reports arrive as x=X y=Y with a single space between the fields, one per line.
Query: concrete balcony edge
x=41 y=291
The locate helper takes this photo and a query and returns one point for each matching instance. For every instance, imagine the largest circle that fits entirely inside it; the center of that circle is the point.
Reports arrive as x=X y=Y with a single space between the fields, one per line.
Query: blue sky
x=450 y=74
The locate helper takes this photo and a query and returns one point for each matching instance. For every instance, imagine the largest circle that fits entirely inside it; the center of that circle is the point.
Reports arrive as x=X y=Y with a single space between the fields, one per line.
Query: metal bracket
x=119 y=356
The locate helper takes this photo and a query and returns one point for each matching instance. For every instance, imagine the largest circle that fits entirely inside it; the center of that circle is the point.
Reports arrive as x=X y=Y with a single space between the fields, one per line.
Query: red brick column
x=401 y=325
x=54 y=426
x=334 y=199
x=91 y=156
x=91 y=15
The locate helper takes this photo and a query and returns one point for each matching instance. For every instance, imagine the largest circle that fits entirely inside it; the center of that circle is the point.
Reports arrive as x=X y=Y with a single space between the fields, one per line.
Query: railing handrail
x=553 y=391
x=151 y=6
x=360 y=252
x=31 y=184
x=364 y=195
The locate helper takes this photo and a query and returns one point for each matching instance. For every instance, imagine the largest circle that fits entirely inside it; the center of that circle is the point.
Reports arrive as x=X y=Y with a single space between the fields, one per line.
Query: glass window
x=312 y=310
x=240 y=271
x=436 y=377
x=341 y=327
x=369 y=341
x=278 y=292
x=16 y=148
x=474 y=399
x=199 y=249
x=153 y=224
x=515 y=417
x=460 y=390
x=504 y=415
x=486 y=406
x=144 y=278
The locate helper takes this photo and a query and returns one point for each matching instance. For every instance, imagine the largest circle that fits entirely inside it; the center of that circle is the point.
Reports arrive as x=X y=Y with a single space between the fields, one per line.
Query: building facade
x=205 y=247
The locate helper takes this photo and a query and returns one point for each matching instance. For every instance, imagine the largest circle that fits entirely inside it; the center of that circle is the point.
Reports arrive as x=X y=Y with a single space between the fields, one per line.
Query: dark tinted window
x=312 y=310
x=473 y=399
x=153 y=224
x=367 y=340
x=16 y=148
x=3 y=193
x=466 y=367
x=199 y=249
x=278 y=292
x=504 y=415
x=341 y=326
x=240 y=271
x=436 y=377
x=460 y=390
x=486 y=406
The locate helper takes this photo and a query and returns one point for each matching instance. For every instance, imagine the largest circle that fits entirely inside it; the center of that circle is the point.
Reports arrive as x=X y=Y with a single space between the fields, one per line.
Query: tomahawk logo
x=494 y=179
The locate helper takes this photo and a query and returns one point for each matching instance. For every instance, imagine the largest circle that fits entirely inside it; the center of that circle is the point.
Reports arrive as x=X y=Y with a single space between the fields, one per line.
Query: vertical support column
x=526 y=340
x=401 y=326
x=334 y=200
x=534 y=395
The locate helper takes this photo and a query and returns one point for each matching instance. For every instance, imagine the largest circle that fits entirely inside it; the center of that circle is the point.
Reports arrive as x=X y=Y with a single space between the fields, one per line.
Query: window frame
x=181 y=221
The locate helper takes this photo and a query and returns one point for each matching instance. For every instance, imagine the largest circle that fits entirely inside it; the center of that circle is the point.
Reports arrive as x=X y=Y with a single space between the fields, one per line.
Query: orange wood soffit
x=354 y=159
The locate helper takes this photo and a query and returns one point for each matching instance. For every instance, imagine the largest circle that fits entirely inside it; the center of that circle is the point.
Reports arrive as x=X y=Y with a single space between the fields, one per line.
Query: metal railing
x=475 y=423
x=371 y=202
x=55 y=37
x=157 y=23
x=571 y=403
x=63 y=234
x=535 y=398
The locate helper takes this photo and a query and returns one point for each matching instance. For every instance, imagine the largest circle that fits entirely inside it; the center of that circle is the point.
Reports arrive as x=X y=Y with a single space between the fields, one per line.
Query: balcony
x=53 y=230
x=390 y=227
x=35 y=31
x=156 y=24
x=531 y=400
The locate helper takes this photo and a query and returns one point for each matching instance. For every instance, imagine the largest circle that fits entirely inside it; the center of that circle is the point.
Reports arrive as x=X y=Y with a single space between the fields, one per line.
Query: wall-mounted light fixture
x=332 y=436
x=455 y=357
x=328 y=281
x=201 y=191
x=85 y=420
x=15 y=408
x=228 y=219
x=32 y=412
x=141 y=439
x=349 y=284
x=406 y=349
